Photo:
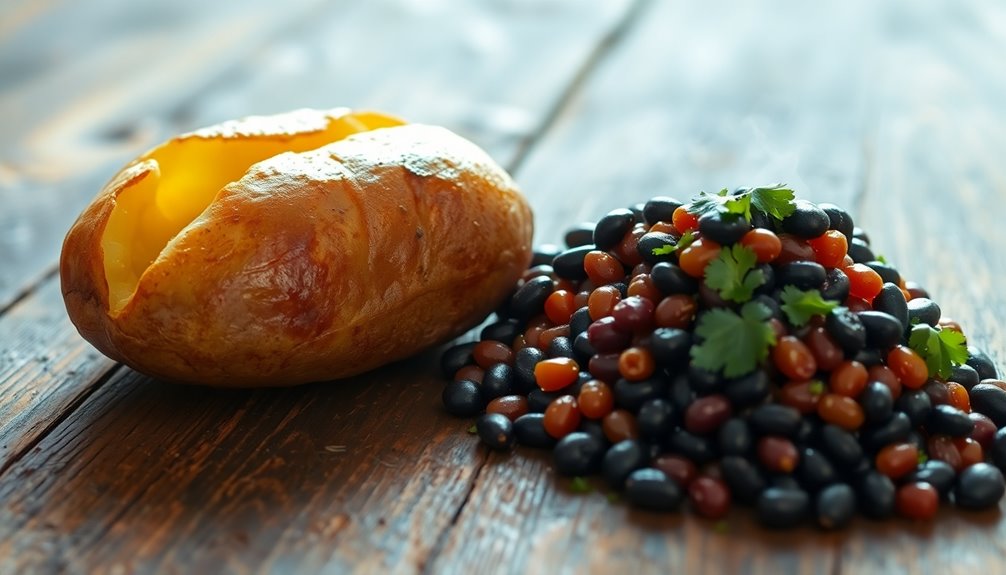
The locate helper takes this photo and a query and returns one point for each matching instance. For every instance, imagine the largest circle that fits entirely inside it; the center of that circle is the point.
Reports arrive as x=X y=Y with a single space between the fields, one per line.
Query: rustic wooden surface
x=896 y=110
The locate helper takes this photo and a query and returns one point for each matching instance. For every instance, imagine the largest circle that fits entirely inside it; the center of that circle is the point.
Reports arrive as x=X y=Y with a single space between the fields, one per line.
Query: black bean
x=915 y=404
x=560 y=347
x=836 y=286
x=766 y=290
x=735 y=437
x=637 y=210
x=979 y=486
x=965 y=375
x=877 y=402
x=595 y=429
x=632 y=395
x=775 y=419
x=660 y=209
x=579 y=235
x=650 y=489
x=989 y=400
x=495 y=430
x=886 y=272
x=806 y=221
x=497 y=381
x=456 y=357
x=840 y=445
x=876 y=494
x=803 y=275
x=982 y=363
x=652 y=245
x=698 y=449
x=610 y=229
x=860 y=251
x=569 y=264
x=784 y=482
x=835 y=506
x=529 y=300
x=503 y=331
x=883 y=330
x=923 y=310
x=538 y=400
x=895 y=429
x=579 y=322
x=937 y=473
x=869 y=357
x=670 y=279
x=463 y=398
x=891 y=300
x=948 y=420
x=655 y=419
x=860 y=233
x=839 y=219
x=582 y=350
x=529 y=430
x=748 y=389
x=997 y=451
x=815 y=471
x=703 y=381
x=845 y=328
x=743 y=478
x=711 y=298
x=724 y=229
x=622 y=459
x=670 y=345
x=523 y=368
x=544 y=254
x=578 y=454
x=680 y=392
x=810 y=428
x=783 y=508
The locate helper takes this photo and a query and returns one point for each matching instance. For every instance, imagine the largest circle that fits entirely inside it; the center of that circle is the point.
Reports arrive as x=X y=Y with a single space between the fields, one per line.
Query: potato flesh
x=186 y=175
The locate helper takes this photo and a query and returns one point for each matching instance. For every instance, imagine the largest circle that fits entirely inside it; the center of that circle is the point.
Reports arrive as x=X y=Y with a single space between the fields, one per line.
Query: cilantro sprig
x=800 y=305
x=734 y=342
x=776 y=201
x=941 y=348
x=683 y=242
x=733 y=273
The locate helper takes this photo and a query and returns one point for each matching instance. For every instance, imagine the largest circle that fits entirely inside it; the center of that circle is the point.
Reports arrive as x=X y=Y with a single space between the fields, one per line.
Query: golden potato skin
x=313 y=266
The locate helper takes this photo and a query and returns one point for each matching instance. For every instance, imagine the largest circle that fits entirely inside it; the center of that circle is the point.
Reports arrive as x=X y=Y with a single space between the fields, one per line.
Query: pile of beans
x=591 y=358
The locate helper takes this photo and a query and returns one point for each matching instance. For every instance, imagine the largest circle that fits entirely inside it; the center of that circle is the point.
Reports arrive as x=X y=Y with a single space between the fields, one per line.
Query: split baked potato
x=301 y=247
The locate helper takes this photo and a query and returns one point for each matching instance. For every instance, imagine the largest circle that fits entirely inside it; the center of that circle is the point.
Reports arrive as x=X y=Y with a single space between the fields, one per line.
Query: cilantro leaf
x=800 y=305
x=740 y=205
x=776 y=201
x=941 y=348
x=705 y=203
x=732 y=273
x=735 y=343
x=686 y=240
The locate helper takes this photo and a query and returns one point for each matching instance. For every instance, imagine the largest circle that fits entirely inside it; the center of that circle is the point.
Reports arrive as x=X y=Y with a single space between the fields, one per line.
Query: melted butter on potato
x=175 y=182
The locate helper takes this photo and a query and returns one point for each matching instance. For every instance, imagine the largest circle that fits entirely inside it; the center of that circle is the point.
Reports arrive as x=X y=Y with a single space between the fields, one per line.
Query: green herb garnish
x=776 y=201
x=800 y=305
x=943 y=349
x=735 y=343
x=733 y=273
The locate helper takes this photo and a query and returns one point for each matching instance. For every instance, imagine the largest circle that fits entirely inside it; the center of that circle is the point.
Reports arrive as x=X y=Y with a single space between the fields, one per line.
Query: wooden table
x=896 y=110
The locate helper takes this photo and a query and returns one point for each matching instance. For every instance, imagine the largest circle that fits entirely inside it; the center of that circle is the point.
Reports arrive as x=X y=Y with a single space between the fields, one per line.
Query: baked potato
x=307 y=246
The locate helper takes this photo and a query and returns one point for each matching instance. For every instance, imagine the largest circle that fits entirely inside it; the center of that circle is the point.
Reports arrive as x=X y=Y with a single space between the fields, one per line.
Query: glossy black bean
x=835 y=506
x=948 y=420
x=840 y=445
x=669 y=345
x=735 y=437
x=529 y=430
x=649 y=488
x=748 y=389
x=724 y=229
x=463 y=398
x=523 y=368
x=989 y=400
x=610 y=229
x=497 y=381
x=806 y=221
x=502 y=331
x=915 y=404
x=982 y=363
x=660 y=209
x=836 y=286
x=637 y=210
x=877 y=402
x=775 y=419
x=869 y=357
x=560 y=346
x=891 y=300
x=917 y=439
x=698 y=449
x=923 y=310
x=782 y=508
x=653 y=247
x=578 y=454
x=887 y=272
x=569 y=264
x=529 y=300
x=815 y=471
x=876 y=493
x=595 y=429
x=860 y=233
x=979 y=486
x=656 y=418
x=679 y=392
x=803 y=275
x=620 y=460
x=632 y=395
x=623 y=289
x=544 y=254
x=579 y=235
x=771 y=303
x=582 y=350
x=703 y=381
x=895 y=429
x=538 y=400
x=743 y=478
x=839 y=219
x=495 y=430
x=937 y=473
x=965 y=375
x=670 y=279
x=997 y=451
x=784 y=482
x=846 y=329
x=807 y=433
x=883 y=330
x=456 y=357
x=579 y=322
x=768 y=287
x=860 y=251
x=760 y=219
